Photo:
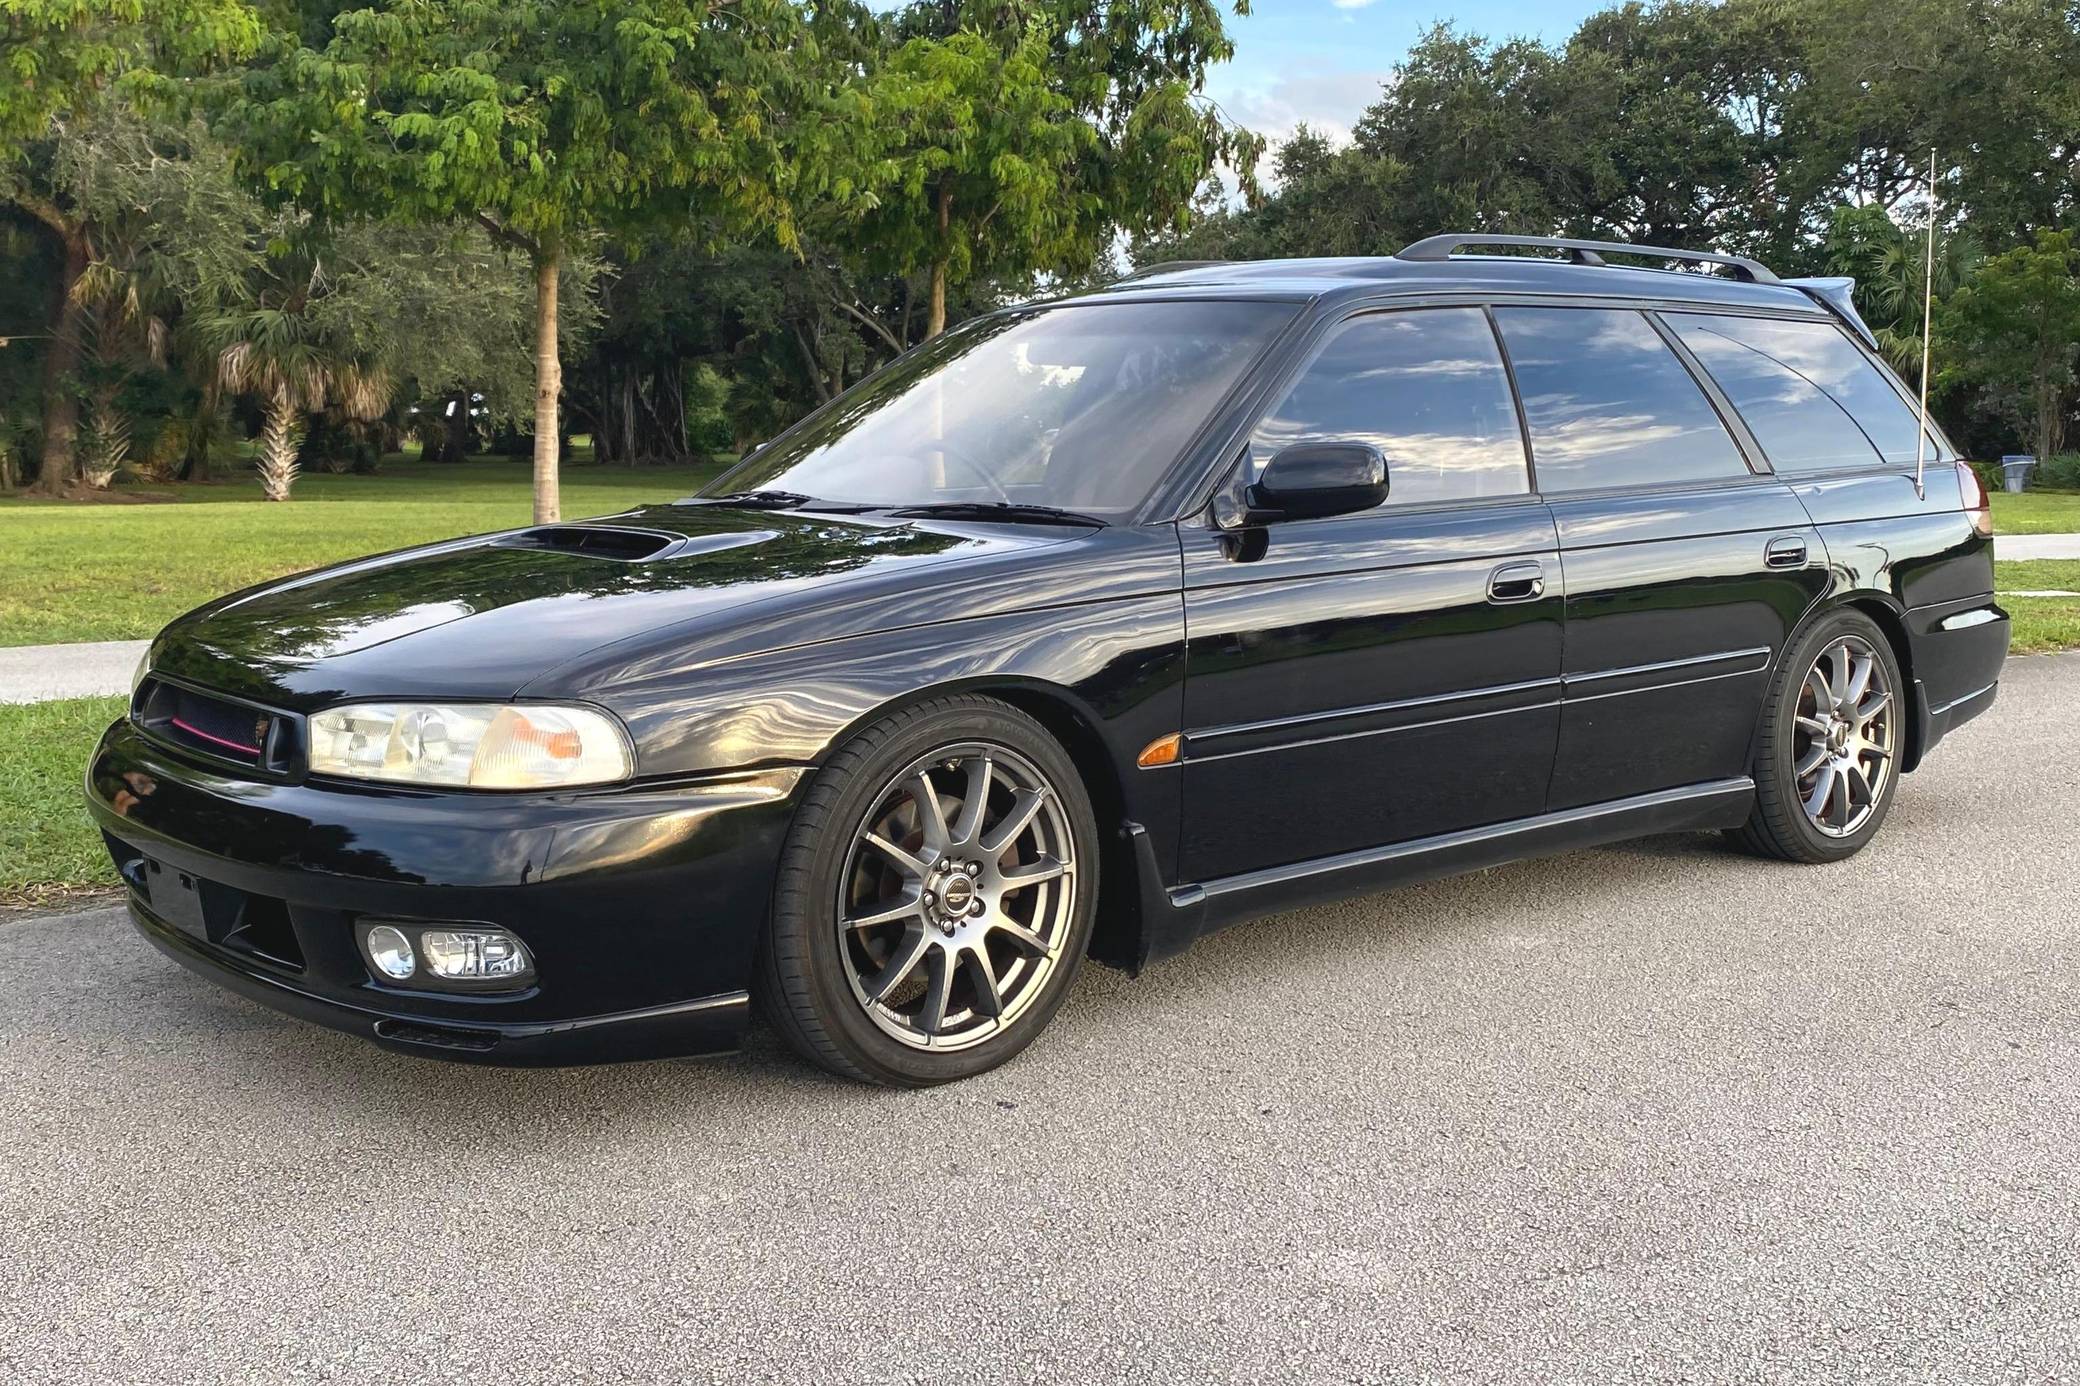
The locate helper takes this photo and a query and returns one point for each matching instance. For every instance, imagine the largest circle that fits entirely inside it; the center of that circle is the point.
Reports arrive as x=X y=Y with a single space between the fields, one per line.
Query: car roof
x=1370 y=276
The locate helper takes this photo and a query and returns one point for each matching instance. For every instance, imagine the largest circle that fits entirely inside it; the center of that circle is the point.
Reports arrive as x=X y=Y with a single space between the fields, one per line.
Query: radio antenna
x=1928 y=283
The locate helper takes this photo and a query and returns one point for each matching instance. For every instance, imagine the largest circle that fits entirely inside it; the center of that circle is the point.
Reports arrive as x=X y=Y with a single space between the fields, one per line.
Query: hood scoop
x=623 y=544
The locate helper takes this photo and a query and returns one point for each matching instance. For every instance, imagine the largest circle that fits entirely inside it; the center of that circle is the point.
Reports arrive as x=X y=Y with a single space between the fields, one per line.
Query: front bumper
x=641 y=906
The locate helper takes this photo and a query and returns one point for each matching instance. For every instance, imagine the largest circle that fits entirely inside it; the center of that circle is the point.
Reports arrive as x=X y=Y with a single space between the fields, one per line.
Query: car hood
x=484 y=617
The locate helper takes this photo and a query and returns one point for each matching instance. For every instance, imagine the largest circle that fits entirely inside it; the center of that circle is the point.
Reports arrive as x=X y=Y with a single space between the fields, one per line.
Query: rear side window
x=1810 y=397
x=1609 y=404
x=1426 y=387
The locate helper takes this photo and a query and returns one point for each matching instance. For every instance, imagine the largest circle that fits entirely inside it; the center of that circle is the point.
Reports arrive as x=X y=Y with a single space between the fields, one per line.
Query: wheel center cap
x=957 y=895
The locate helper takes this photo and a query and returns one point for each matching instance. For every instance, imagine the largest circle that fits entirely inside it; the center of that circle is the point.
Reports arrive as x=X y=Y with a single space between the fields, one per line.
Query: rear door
x=1372 y=678
x=1687 y=564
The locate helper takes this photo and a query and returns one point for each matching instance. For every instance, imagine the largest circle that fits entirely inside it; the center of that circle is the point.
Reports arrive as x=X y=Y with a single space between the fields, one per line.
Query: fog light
x=465 y=955
x=390 y=951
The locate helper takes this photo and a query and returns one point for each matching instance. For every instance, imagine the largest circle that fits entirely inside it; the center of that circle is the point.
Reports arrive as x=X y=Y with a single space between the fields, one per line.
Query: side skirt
x=1173 y=920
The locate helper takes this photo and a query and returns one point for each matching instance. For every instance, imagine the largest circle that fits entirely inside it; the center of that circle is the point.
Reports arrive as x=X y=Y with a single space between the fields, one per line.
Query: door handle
x=1517 y=582
x=1786 y=551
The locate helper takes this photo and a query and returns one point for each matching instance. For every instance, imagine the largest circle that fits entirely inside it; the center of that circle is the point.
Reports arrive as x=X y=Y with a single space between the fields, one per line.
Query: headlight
x=477 y=745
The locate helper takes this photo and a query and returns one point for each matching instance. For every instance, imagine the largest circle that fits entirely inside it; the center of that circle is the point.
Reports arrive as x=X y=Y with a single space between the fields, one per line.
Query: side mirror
x=1310 y=480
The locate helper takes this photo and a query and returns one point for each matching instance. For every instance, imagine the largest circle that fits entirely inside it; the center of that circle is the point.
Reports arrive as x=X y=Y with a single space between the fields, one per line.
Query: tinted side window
x=1427 y=388
x=1609 y=404
x=1784 y=365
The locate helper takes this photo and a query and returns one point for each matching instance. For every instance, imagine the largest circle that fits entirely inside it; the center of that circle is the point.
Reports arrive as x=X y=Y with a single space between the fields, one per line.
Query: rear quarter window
x=1812 y=399
x=1609 y=404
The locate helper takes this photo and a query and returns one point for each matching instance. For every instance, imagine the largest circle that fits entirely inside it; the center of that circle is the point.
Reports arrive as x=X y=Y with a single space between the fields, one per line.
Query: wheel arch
x=1887 y=615
x=1116 y=934
x=1891 y=622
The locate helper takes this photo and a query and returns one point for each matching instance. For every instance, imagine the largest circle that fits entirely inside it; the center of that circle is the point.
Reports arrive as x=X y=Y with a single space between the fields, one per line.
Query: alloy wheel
x=1845 y=737
x=957 y=896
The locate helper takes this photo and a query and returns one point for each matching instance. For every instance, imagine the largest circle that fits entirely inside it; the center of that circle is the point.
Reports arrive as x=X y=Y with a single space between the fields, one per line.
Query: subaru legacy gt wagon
x=1084 y=629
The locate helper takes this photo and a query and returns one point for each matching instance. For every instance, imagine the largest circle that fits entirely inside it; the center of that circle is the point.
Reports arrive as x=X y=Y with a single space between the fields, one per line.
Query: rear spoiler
x=1837 y=294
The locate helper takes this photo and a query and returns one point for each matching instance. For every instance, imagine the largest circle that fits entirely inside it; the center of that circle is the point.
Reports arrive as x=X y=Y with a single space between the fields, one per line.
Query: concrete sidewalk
x=2009 y=547
x=39 y=673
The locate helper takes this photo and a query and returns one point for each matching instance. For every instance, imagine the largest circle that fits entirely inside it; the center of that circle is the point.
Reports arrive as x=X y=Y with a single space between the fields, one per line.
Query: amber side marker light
x=1163 y=750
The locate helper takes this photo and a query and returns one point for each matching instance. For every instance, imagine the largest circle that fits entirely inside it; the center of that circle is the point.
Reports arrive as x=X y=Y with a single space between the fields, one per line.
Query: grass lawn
x=2036 y=512
x=120 y=569
x=2041 y=623
x=48 y=846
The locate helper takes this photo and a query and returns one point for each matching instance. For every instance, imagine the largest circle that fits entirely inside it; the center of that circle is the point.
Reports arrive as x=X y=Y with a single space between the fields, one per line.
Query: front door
x=1373 y=678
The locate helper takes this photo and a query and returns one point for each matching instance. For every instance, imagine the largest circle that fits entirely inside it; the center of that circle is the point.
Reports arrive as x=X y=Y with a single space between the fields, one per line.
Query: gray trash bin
x=2015 y=469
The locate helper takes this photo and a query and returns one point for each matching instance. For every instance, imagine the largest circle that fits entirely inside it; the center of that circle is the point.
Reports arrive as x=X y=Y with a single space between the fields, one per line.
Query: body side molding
x=1199 y=909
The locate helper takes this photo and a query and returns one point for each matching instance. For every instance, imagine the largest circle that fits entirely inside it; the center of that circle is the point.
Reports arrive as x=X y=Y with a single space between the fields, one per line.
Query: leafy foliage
x=2014 y=330
x=1016 y=139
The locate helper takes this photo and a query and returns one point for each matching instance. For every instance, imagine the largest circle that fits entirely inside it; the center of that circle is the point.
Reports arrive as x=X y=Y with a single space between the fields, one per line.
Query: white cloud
x=1351 y=4
x=1311 y=93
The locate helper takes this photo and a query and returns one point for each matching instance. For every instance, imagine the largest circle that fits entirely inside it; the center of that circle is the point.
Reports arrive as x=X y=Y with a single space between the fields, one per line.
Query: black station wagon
x=1084 y=629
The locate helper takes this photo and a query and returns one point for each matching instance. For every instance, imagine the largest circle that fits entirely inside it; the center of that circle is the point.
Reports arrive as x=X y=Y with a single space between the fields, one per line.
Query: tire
x=1803 y=726
x=992 y=931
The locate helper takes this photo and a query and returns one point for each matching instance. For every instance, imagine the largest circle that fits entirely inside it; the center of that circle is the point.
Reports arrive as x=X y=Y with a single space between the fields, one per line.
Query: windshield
x=1081 y=407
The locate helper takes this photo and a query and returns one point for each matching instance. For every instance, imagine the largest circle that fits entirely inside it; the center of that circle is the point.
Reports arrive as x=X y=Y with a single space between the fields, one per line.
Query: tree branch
x=809 y=359
x=885 y=335
x=506 y=235
x=48 y=213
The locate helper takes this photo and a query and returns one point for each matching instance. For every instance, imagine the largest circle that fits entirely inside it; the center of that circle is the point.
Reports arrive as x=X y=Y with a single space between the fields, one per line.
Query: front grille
x=222 y=728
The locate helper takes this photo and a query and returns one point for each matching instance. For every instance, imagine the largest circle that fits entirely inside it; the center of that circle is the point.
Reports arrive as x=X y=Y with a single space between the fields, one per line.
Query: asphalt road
x=1650 y=1113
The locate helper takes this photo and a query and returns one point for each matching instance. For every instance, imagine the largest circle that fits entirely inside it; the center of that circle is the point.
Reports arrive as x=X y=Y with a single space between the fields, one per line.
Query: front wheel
x=1827 y=758
x=935 y=896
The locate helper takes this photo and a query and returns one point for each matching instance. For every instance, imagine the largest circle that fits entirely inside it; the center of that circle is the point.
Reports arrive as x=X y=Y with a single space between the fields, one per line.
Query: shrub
x=2057 y=473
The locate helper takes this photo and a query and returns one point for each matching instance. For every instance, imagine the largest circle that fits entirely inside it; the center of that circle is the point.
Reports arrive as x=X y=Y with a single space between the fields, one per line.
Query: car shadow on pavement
x=1259 y=967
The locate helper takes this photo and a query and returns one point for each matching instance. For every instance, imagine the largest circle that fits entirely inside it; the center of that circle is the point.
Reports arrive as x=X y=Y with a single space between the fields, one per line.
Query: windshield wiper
x=758 y=500
x=1011 y=512
x=778 y=500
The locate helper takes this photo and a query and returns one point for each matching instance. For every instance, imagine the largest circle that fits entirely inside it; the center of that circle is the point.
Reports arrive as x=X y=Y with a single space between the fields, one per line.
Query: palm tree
x=122 y=333
x=282 y=355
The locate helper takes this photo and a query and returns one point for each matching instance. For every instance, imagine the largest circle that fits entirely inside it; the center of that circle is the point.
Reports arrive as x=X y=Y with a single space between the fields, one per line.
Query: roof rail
x=1435 y=248
x=1168 y=267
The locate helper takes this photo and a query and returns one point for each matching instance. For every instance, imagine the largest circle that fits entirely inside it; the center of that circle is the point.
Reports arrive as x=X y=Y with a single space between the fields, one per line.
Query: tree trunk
x=60 y=374
x=202 y=435
x=548 y=384
x=455 y=428
x=106 y=442
x=280 y=439
x=935 y=315
x=2050 y=417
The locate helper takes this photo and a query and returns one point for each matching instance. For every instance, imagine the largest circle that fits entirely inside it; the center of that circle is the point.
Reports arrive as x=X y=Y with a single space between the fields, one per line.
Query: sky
x=1322 y=61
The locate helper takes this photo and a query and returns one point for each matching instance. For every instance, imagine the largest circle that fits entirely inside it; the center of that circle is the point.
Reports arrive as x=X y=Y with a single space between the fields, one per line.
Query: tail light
x=1976 y=503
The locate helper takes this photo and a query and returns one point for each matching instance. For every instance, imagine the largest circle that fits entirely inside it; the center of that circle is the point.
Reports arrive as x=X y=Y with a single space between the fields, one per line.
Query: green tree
x=2013 y=329
x=546 y=121
x=1016 y=138
x=69 y=67
x=1889 y=264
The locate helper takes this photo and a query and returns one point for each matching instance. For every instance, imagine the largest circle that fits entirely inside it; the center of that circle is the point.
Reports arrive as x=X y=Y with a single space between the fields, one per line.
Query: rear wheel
x=935 y=896
x=1827 y=759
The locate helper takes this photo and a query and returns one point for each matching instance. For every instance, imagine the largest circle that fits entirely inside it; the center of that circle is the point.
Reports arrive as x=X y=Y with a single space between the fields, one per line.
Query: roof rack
x=1436 y=248
x=1168 y=267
